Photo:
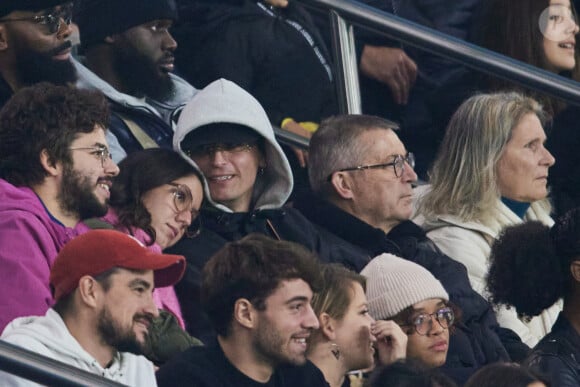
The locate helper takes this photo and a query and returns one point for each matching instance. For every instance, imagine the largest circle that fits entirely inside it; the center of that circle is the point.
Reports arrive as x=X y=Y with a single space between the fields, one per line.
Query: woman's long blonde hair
x=463 y=177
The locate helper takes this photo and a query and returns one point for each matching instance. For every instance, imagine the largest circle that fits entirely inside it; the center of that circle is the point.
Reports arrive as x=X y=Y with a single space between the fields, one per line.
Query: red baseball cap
x=97 y=251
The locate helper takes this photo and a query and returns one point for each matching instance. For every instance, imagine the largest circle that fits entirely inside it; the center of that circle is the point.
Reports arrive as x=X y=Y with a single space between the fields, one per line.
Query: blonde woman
x=491 y=172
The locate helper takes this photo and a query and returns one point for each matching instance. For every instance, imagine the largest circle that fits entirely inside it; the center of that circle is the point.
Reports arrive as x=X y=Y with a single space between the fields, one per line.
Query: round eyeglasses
x=51 y=20
x=226 y=149
x=99 y=151
x=423 y=323
x=183 y=202
x=398 y=165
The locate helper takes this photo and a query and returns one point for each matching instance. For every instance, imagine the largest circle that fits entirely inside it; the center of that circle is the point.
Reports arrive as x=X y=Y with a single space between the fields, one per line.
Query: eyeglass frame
x=438 y=312
x=99 y=151
x=219 y=147
x=195 y=214
x=409 y=158
x=52 y=20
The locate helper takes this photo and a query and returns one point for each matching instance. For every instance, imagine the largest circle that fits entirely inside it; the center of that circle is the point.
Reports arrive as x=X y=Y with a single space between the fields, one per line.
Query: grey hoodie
x=165 y=110
x=49 y=336
x=224 y=101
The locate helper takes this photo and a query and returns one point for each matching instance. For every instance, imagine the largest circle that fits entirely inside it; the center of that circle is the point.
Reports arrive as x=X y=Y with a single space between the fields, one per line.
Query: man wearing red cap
x=34 y=44
x=103 y=283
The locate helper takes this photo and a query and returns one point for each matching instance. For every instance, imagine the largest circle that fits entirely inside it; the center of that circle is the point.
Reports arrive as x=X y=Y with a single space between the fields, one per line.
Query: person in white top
x=103 y=283
x=491 y=172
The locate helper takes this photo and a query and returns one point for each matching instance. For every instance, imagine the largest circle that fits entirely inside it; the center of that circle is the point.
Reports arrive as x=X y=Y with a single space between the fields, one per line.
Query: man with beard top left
x=127 y=52
x=55 y=170
x=103 y=284
x=34 y=44
x=257 y=293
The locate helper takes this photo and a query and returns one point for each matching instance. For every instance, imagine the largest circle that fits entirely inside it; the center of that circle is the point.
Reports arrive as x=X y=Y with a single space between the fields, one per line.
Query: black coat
x=557 y=355
x=220 y=227
x=209 y=367
x=477 y=338
x=258 y=48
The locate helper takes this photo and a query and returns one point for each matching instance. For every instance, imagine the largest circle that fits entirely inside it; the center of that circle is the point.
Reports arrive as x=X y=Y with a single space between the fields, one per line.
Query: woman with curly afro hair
x=532 y=267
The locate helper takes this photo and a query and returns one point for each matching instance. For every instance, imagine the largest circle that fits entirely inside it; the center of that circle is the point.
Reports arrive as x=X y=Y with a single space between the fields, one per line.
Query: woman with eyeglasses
x=348 y=338
x=156 y=198
x=408 y=294
x=532 y=267
x=248 y=182
x=490 y=173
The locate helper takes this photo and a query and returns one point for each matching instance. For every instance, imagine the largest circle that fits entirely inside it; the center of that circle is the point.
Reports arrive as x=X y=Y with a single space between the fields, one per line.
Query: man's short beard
x=140 y=75
x=123 y=340
x=77 y=195
x=34 y=67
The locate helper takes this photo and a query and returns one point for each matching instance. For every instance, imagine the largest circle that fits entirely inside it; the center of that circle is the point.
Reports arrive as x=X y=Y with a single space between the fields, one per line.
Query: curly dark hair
x=45 y=117
x=139 y=173
x=530 y=264
x=252 y=268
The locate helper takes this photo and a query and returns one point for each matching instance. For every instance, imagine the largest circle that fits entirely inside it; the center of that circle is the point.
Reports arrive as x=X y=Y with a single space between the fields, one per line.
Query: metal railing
x=49 y=372
x=344 y=14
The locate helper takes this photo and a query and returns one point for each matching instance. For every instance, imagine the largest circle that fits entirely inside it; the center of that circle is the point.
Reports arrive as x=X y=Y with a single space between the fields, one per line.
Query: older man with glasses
x=363 y=178
x=35 y=44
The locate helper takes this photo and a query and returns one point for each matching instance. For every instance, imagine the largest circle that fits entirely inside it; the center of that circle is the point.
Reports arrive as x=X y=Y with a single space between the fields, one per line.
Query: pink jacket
x=30 y=239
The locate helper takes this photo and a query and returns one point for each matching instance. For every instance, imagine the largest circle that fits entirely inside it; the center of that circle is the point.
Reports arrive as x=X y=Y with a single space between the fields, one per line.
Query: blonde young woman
x=349 y=338
x=491 y=172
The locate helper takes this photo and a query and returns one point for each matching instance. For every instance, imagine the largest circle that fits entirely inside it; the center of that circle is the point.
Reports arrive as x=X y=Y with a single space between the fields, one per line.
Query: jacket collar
x=346 y=226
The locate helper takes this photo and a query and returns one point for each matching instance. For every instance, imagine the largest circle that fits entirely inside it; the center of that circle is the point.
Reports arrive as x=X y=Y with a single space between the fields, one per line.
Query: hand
x=391 y=342
x=296 y=128
x=391 y=66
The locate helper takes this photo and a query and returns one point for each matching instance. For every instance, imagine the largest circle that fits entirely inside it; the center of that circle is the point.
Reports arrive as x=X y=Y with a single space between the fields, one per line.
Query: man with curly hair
x=55 y=170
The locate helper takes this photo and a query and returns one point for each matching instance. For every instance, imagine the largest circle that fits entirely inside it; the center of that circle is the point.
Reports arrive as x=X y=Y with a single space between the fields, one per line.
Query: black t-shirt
x=208 y=367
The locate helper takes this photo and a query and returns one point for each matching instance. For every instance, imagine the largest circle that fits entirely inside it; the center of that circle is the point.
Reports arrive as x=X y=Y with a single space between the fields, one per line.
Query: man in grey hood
x=225 y=132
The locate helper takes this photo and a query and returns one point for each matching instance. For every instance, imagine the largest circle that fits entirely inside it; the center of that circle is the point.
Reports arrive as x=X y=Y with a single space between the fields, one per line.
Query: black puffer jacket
x=221 y=227
x=477 y=339
x=557 y=355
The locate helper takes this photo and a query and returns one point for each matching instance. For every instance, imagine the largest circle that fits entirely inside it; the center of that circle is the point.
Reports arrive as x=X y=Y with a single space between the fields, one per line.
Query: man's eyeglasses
x=423 y=323
x=398 y=165
x=52 y=20
x=183 y=202
x=226 y=148
x=98 y=151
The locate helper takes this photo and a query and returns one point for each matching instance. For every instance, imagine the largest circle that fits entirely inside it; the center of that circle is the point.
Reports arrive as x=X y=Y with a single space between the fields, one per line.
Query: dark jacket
x=221 y=227
x=477 y=338
x=5 y=92
x=262 y=50
x=209 y=367
x=155 y=118
x=557 y=355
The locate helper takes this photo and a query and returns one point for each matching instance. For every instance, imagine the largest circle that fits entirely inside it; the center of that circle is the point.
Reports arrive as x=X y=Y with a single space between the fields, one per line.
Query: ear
x=244 y=313
x=89 y=291
x=575 y=270
x=342 y=184
x=3 y=38
x=327 y=326
x=52 y=168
